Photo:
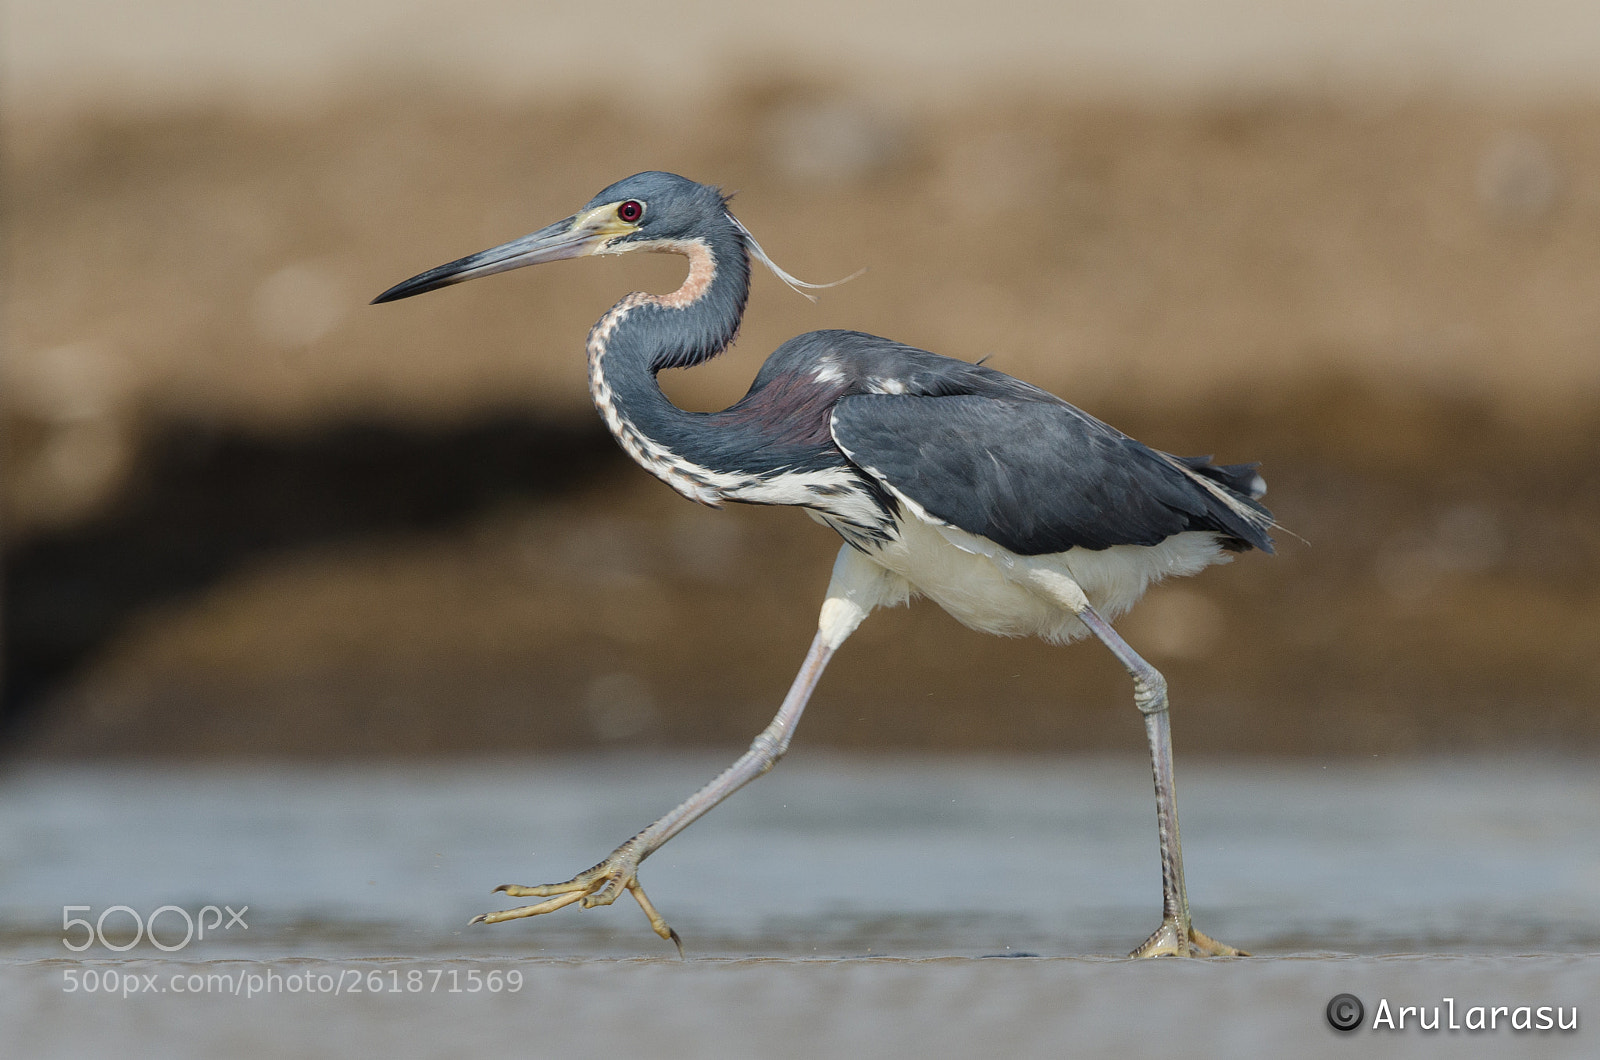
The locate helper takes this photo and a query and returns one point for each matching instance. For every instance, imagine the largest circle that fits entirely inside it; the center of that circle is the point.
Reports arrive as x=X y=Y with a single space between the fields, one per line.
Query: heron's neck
x=643 y=333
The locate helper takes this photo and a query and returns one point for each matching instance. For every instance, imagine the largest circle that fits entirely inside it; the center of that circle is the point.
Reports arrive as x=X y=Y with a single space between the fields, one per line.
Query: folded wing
x=1039 y=476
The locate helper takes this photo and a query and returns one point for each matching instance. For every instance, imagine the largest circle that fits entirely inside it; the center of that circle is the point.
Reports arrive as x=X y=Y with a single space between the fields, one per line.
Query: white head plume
x=795 y=284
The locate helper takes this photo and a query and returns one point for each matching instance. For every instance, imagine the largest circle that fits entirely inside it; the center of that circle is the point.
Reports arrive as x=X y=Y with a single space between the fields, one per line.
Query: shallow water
x=824 y=856
x=861 y=888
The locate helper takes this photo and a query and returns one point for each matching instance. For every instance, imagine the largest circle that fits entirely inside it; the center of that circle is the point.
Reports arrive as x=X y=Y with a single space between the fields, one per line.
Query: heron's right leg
x=1176 y=936
x=858 y=585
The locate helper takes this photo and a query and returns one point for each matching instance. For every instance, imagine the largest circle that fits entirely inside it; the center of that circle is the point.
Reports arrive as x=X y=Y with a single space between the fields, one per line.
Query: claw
x=656 y=920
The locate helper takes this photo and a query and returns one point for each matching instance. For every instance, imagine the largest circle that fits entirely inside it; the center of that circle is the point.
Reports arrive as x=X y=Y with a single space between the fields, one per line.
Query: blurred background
x=246 y=514
x=344 y=614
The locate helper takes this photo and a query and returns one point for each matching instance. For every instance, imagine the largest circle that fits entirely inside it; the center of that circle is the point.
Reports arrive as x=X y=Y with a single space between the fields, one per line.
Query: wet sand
x=949 y=1007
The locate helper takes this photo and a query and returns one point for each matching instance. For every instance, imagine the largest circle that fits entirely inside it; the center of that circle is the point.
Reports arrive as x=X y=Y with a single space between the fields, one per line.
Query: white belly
x=968 y=576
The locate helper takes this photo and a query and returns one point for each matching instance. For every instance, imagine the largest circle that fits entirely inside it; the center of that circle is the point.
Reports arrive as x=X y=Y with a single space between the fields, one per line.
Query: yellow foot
x=1171 y=940
x=597 y=886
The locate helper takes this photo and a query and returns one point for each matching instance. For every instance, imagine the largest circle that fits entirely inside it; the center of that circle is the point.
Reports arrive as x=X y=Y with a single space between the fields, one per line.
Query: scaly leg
x=857 y=587
x=1176 y=936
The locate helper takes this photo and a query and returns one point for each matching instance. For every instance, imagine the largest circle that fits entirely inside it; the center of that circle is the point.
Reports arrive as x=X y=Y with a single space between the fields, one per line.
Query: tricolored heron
x=1014 y=511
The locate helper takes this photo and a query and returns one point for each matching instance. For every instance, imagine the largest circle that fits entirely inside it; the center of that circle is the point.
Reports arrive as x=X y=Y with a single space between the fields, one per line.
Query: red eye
x=631 y=210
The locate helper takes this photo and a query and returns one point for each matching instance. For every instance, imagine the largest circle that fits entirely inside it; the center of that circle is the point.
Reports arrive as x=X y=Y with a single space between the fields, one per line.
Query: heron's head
x=647 y=211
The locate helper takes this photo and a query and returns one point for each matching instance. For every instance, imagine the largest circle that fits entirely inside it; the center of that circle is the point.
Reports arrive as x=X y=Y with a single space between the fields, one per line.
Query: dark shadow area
x=206 y=499
x=513 y=586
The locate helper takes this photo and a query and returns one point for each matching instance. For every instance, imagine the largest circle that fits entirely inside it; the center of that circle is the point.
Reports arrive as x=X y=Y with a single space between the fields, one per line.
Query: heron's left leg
x=1176 y=936
x=858 y=585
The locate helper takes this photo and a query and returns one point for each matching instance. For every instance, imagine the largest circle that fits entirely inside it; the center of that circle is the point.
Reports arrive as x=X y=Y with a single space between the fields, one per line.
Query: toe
x=1210 y=947
x=1166 y=941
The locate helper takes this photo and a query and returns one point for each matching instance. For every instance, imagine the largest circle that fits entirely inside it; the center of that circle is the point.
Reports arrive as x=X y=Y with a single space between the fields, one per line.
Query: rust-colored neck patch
x=702 y=270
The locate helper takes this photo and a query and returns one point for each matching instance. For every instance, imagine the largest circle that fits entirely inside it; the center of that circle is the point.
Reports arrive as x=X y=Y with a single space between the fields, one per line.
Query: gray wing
x=1037 y=476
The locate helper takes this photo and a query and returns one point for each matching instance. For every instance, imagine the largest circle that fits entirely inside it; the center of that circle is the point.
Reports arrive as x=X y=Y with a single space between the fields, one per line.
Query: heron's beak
x=589 y=232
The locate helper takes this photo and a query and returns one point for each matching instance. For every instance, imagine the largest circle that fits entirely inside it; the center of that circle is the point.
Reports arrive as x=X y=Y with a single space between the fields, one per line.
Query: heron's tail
x=1240 y=478
x=1237 y=490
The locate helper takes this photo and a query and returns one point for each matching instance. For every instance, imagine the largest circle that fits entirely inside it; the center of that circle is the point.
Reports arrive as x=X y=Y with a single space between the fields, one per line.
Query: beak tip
x=407 y=288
